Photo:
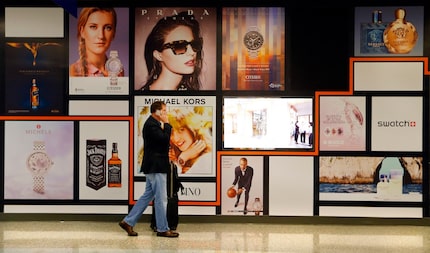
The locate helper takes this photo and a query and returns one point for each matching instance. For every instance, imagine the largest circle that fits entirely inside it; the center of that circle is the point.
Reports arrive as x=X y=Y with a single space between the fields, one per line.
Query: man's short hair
x=157 y=105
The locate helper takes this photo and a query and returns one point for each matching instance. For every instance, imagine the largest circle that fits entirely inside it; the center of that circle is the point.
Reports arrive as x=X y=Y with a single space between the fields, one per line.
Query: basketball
x=231 y=193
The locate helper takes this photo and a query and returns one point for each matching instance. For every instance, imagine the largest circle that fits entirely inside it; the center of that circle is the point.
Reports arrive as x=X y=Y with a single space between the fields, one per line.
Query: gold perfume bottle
x=400 y=36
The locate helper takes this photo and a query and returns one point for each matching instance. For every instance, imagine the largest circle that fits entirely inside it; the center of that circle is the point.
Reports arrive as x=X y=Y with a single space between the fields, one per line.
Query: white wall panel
x=291 y=191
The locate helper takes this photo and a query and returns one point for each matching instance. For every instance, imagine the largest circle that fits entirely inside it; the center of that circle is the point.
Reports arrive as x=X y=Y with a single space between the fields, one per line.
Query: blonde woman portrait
x=191 y=139
x=95 y=31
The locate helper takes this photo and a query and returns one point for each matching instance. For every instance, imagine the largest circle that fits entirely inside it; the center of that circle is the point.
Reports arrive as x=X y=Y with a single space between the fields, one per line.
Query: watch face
x=114 y=65
x=253 y=40
x=39 y=163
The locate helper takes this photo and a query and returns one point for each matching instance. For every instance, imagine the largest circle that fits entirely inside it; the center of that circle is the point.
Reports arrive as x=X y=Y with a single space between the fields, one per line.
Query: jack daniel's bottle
x=34 y=95
x=114 y=168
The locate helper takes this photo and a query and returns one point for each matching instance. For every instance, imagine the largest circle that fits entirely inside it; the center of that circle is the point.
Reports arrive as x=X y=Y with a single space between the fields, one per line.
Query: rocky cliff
x=365 y=170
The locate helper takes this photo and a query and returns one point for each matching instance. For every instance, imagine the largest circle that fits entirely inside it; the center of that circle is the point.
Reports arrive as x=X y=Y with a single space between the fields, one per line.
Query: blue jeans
x=156 y=187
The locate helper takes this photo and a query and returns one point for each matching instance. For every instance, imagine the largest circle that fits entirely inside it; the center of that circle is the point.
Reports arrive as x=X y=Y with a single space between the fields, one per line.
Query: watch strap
x=39 y=180
x=39 y=184
x=113 y=54
x=113 y=80
x=39 y=146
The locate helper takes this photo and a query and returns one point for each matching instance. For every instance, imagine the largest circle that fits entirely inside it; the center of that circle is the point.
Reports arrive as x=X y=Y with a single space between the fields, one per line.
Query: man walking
x=156 y=135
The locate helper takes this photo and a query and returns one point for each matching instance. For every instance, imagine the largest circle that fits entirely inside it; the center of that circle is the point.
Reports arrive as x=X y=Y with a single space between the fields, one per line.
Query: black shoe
x=245 y=211
x=168 y=233
x=235 y=205
x=127 y=228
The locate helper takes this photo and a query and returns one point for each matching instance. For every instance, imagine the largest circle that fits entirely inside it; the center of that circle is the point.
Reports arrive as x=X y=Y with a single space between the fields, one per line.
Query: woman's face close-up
x=179 y=63
x=182 y=138
x=98 y=32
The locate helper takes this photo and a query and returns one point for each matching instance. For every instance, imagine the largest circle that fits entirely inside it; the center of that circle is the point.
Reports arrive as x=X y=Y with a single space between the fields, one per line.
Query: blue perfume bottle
x=372 y=35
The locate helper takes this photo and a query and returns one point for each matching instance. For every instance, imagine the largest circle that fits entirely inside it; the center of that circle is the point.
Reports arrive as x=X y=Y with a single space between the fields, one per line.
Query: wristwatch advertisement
x=39 y=163
x=114 y=67
x=253 y=41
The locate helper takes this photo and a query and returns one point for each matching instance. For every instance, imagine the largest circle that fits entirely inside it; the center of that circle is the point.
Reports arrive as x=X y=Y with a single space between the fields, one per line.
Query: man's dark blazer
x=156 y=142
x=244 y=181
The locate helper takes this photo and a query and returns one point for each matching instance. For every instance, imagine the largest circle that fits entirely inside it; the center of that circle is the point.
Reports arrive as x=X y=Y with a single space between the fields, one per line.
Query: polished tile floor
x=107 y=236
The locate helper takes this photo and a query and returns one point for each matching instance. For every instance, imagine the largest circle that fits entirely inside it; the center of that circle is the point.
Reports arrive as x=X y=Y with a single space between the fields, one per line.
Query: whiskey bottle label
x=114 y=174
x=96 y=164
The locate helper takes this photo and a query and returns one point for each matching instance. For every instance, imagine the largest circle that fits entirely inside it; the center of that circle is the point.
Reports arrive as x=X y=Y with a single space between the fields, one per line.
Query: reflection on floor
x=107 y=236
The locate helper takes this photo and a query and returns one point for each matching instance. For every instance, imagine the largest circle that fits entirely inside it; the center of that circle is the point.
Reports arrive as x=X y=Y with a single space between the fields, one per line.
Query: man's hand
x=164 y=118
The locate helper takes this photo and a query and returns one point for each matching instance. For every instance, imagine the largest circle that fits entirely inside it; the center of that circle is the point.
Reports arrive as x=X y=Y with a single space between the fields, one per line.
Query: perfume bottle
x=257 y=206
x=400 y=36
x=382 y=186
x=396 y=182
x=372 y=35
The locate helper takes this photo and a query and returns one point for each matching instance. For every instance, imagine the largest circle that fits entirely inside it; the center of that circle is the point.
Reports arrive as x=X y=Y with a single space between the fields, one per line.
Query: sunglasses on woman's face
x=180 y=46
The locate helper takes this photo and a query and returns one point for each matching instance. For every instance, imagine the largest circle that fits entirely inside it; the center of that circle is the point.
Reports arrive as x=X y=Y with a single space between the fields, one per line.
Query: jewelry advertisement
x=253 y=49
x=192 y=139
x=39 y=160
x=99 y=52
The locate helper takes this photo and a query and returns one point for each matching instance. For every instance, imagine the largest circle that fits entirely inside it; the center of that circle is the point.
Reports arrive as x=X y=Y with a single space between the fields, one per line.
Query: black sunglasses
x=180 y=46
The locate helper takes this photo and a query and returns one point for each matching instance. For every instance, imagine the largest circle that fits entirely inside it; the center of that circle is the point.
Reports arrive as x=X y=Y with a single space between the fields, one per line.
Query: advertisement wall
x=80 y=89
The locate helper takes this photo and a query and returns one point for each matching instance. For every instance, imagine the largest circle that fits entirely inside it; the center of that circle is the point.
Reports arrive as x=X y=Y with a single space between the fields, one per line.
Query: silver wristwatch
x=114 y=67
x=39 y=163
